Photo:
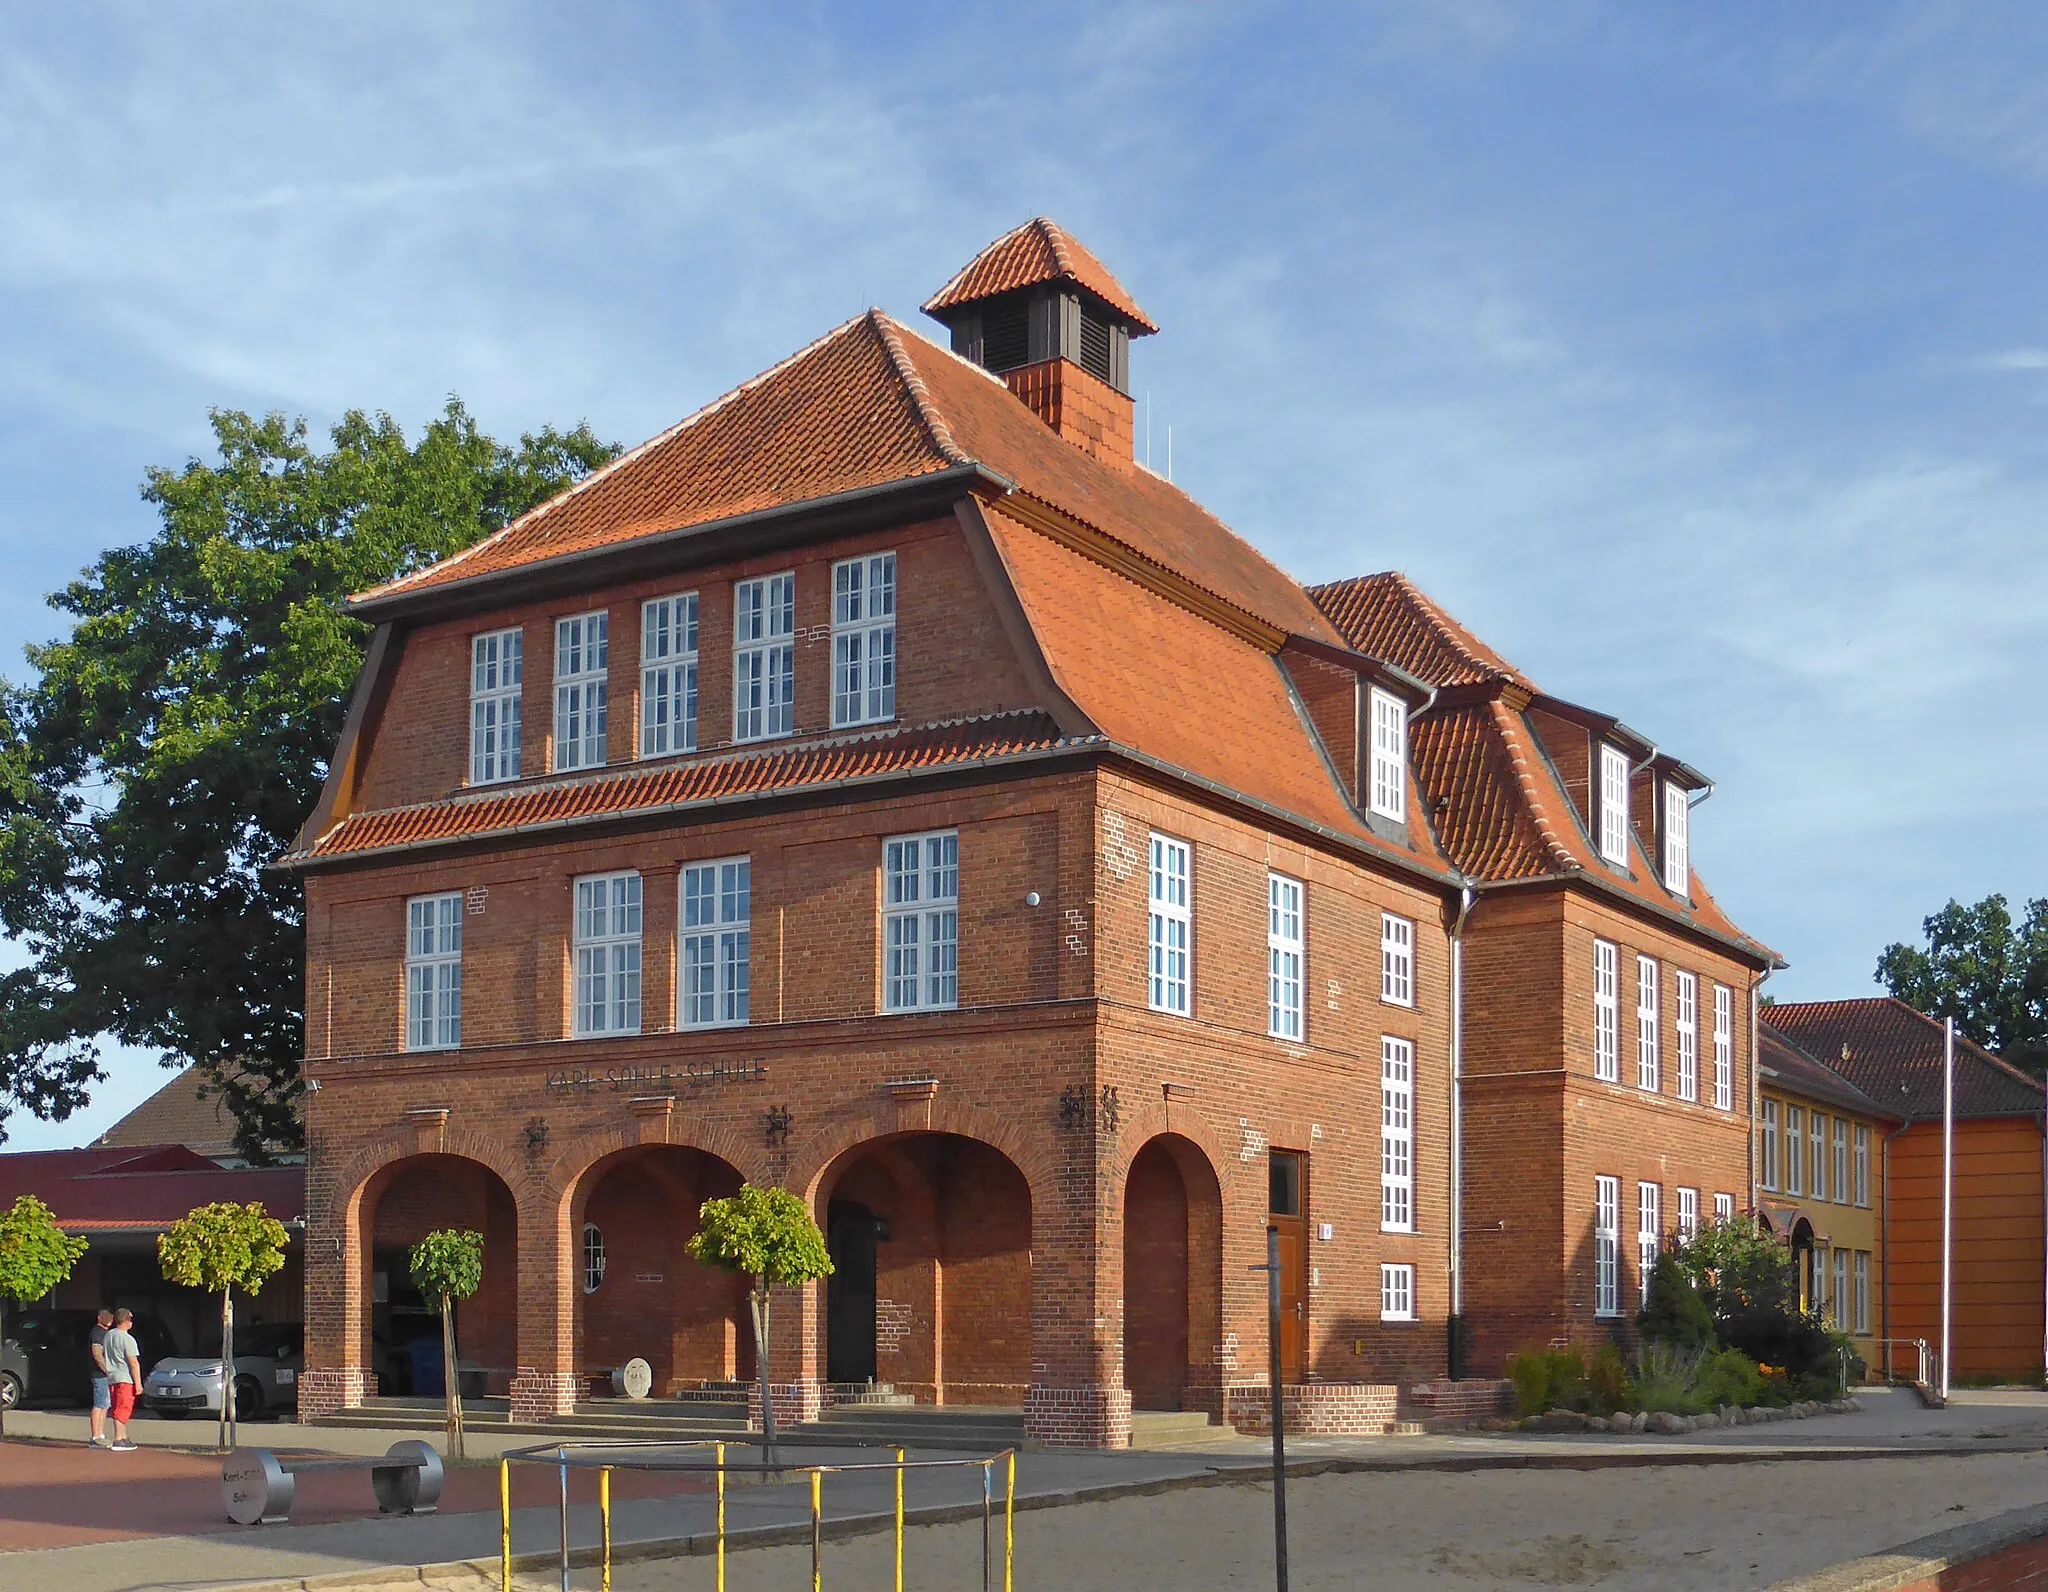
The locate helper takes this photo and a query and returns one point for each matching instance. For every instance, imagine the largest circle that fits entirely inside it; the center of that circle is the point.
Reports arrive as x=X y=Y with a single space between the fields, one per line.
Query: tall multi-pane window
x=1397 y=960
x=1168 y=927
x=1606 y=1246
x=1724 y=1048
x=1817 y=1279
x=1839 y=1175
x=1862 y=1164
x=1614 y=805
x=1283 y=956
x=497 y=670
x=1862 y=1290
x=764 y=658
x=1795 y=1150
x=1397 y=1135
x=1397 y=1293
x=716 y=942
x=1688 y=1215
x=1649 y=1229
x=1767 y=1143
x=1686 y=1025
x=433 y=972
x=1649 y=1065
x=1606 y=1012
x=1677 y=868
x=921 y=922
x=1817 y=1139
x=582 y=659
x=1389 y=755
x=1842 y=1301
x=668 y=675
x=607 y=947
x=1724 y=1207
x=864 y=639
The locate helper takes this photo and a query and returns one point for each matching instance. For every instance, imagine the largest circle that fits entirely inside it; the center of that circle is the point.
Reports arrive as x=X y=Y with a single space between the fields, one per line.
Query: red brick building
x=881 y=785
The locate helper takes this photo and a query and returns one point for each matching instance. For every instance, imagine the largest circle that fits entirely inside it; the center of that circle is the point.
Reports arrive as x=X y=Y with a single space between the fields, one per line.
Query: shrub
x=1548 y=1379
x=1664 y=1379
x=1675 y=1313
x=1607 y=1387
x=1730 y=1377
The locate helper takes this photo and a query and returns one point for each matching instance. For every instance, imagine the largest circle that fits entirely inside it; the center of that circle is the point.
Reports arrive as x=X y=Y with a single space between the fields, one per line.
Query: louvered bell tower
x=1040 y=311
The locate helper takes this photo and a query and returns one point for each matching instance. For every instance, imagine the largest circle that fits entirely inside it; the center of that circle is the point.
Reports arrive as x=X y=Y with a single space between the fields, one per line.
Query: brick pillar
x=796 y=1356
x=337 y=1271
x=546 y=1384
x=1077 y=1397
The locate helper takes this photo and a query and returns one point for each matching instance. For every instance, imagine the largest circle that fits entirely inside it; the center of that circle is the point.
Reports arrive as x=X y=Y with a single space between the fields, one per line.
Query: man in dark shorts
x=102 y=1385
x=124 y=1370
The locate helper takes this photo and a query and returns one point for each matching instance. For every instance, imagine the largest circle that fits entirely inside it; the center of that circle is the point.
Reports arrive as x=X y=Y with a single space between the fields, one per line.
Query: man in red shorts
x=124 y=1372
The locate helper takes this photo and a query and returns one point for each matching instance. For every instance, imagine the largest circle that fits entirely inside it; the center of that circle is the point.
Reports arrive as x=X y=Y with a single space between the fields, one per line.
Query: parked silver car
x=268 y=1359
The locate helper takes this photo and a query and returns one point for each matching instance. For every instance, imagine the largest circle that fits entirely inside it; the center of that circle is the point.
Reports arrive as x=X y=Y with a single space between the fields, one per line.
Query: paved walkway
x=110 y=1545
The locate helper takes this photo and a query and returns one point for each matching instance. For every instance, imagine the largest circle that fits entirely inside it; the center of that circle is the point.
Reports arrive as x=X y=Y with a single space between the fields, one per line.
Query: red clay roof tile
x=1038 y=251
x=1387 y=616
x=1892 y=1052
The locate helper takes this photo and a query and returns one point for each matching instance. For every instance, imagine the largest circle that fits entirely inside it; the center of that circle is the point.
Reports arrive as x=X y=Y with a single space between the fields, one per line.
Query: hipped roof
x=1893 y=1053
x=1038 y=252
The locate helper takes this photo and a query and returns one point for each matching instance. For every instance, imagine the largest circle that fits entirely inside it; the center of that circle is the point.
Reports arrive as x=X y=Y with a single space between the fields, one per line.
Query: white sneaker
x=123 y=1447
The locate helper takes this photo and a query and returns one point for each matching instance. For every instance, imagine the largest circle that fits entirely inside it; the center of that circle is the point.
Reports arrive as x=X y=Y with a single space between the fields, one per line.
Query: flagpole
x=1948 y=1191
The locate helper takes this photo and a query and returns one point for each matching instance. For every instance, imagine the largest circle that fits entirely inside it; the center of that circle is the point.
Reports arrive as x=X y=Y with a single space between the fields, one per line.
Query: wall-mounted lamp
x=1031 y=898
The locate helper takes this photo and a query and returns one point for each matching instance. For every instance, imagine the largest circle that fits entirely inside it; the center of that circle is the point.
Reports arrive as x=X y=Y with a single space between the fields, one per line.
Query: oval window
x=593 y=1257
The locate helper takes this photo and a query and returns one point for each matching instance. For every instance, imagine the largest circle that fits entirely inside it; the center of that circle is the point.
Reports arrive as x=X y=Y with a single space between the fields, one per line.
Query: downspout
x=1456 y=1346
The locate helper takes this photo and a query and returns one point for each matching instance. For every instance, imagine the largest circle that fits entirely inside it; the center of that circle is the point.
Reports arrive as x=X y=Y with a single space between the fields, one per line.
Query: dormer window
x=1389 y=795
x=1614 y=805
x=1677 y=866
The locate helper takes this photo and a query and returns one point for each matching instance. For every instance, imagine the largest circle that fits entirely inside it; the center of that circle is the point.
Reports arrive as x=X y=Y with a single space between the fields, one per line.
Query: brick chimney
x=1039 y=310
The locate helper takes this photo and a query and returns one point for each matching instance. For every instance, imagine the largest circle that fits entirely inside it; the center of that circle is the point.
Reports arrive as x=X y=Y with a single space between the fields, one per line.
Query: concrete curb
x=1925 y=1558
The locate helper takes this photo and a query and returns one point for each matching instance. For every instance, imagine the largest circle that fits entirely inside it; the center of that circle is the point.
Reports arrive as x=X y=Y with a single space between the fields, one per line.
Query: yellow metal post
x=899 y=1520
x=1009 y=1521
x=817 y=1563
x=505 y=1525
x=604 y=1517
x=721 y=1516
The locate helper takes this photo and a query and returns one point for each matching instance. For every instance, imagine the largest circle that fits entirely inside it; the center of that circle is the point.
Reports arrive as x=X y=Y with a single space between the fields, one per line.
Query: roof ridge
x=541 y=510
x=960 y=275
x=936 y=426
x=1518 y=761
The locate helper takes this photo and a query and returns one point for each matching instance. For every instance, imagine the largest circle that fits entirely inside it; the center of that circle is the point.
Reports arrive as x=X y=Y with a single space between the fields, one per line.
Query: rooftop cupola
x=1044 y=314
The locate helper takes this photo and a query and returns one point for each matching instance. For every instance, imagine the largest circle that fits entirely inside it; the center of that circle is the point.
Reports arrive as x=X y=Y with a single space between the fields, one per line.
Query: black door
x=850 y=1293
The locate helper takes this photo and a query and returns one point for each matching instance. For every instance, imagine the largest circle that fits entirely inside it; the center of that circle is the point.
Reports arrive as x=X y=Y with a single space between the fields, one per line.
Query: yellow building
x=1820 y=1186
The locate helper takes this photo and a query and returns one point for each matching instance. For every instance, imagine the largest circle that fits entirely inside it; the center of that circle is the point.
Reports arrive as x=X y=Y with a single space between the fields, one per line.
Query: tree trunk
x=227 y=1369
x=449 y=1384
x=758 y=1299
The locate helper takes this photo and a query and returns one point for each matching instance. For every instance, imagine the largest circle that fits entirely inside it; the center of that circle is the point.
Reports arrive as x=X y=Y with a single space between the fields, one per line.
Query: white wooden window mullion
x=1397 y=1135
x=1170 y=927
x=717 y=943
x=1677 y=861
x=1688 y=1215
x=668 y=675
x=1389 y=794
x=1284 y=917
x=433 y=972
x=1649 y=1062
x=607 y=955
x=1686 y=1025
x=1613 y=815
x=1724 y=1208
x=921 y=921
x=1649 y=1231
x=764 y=658
x=582 y=662
x=497 y=674
x=1397 y=1292
x=864 y=639
x=1606 y=1012
x=1862 y=1165
x=1397 y=960
x=1606 y=1246
x=1724 y=1048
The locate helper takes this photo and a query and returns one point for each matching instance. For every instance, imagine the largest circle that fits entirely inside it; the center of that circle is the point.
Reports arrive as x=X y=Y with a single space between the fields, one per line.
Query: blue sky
x=1695 y=356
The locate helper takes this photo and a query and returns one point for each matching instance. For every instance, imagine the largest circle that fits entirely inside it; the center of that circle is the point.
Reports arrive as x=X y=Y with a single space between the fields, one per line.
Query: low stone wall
x=1315 y=1409
x=1468 y=1402
x=2006 y=1553
x=794 y=1402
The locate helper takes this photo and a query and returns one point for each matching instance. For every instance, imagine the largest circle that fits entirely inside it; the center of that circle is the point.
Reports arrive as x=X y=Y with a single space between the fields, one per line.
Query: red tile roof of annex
x=1038 y=251
x=1894 y=1055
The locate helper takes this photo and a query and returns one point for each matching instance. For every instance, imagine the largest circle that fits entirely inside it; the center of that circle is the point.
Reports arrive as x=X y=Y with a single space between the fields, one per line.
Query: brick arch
x=567 y=1171
x=1170 y=1201
x=379 y=1155
x=1149 y=1122
x=881 y=1120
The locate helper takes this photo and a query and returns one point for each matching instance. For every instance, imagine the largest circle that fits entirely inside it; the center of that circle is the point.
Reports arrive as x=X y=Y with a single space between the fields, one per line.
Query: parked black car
x=44 y=1355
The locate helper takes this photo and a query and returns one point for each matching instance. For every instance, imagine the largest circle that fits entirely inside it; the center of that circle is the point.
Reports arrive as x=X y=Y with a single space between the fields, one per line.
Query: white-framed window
x=1170 y=923
x=1397 y=960
x=668 y=675
x=593 y=1257
x=1862 y=1165
x=1389 y=755
x=1724 y=1207
x=1606 y=1246
x=582 y=665
x=1649 y=1008
x=1677 y=866
x=1817 y=1140
x=1688 y=1215
x=1686 y=1025
x=1397 y=1135
x=1724 y=1048
x=1606 y=1012
x=1862 y=1291
x=607 y=947
x=1795 y=1150
x=1839 y=1176
x=1842 y=1316
x=864 y=639
x=1817 y=1279
x=1614 y=805
x=764 y=658
x=1767 y=1143
x=1649 y=1229
x=716 y=942
x=921 y=922
x=1397 y=1293
x=433 y=972
x=1283 y=956
x=497 y=671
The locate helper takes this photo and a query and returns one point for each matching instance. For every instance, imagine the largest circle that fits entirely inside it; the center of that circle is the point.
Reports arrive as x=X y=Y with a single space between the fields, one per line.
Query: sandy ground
x=1675 y=1528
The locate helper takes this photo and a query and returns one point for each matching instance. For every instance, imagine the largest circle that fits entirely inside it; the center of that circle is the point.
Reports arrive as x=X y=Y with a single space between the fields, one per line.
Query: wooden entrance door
x=850 y=1293
x=1287 y=1211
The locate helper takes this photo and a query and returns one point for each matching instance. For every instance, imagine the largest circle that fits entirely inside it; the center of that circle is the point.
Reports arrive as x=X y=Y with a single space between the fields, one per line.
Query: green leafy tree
x=1986 y=971
x=221 y=1248
x=175 y=737
x=35 y=1255
x=448 y=1264
x=768 y=1237
x=1675 y=1314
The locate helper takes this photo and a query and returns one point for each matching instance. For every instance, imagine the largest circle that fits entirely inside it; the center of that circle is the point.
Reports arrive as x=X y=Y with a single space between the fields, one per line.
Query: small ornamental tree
x=35 y=1255
x=766 y=1236
x=221 y=1248
x=449 y=1265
